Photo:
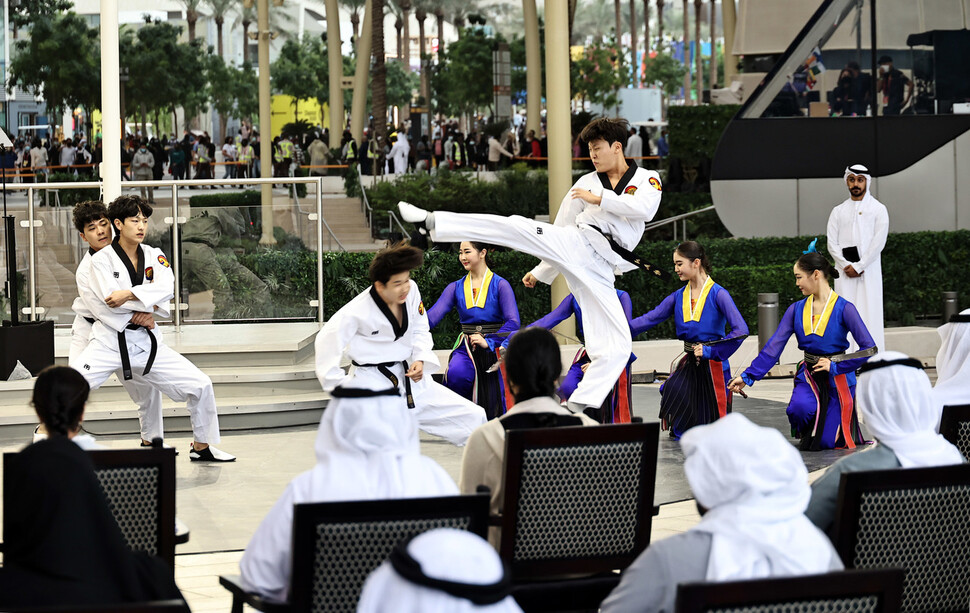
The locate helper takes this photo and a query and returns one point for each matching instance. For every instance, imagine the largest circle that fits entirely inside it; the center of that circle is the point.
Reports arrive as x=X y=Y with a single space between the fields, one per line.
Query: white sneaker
x=210 y=454
x=411 y=213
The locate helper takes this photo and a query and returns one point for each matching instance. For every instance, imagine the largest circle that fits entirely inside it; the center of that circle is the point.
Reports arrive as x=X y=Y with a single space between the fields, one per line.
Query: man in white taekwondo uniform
x=600 y=222
x=126 y=278
x=91 y=221
x=857 y=232
x=384 y=331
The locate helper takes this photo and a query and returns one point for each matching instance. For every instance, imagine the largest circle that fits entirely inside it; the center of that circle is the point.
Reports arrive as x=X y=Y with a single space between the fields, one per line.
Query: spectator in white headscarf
x=441 y=571
x=399 y=152
x=896 y=403
x=953 y=362
x=751 y=488
x=367 y=449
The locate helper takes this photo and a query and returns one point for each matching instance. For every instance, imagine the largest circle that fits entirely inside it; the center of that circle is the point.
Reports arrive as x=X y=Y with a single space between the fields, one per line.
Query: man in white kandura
x=600 y=222
x=128 y=277
x=384 y=331
x=857 y=233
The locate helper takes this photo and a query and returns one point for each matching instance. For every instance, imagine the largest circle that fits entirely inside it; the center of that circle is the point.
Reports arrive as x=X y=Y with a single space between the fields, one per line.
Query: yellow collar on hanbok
x=818 y=328
x=694 y=313
x=479 y=300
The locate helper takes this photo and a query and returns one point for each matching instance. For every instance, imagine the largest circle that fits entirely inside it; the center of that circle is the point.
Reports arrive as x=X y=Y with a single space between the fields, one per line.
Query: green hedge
x=70 y=197
x=250 y=197
x=694 y=131
x=916 y=268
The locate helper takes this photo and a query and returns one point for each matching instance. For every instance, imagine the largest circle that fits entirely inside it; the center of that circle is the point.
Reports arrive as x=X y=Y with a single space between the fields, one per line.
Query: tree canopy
x=462 y=81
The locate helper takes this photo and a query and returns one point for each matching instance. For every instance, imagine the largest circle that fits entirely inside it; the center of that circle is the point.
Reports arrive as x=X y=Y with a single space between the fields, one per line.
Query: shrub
x=70 y=197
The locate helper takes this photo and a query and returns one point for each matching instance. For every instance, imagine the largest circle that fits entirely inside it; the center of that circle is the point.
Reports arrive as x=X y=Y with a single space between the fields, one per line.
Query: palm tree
x=686 y=53
x=439 y=14
x=220 y=8
x=460 y=10
x=191 y=15
x=355 y=6
x=421 y=14
x=379 y=76
x=395 y=10
x=646 y=29
x=633 y=43
x=405 y=7
x=279 y=21
x=660 y=23
x=616 y=10
x=247 y=15
x=697 y=52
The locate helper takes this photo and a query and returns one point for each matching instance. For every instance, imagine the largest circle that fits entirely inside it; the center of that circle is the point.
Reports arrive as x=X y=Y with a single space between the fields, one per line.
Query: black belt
x=90 y=320
x=812 y=360
x=631 y=257
x=385 y=369
x=123 y=348
x=480 y=328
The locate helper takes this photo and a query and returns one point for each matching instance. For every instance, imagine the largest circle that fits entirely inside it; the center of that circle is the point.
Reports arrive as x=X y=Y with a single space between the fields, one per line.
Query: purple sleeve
x=444 y=305
x=853 y=321
x=556 y=316
x=739 y=329
x=772 y=351
x=510 y=314
x=627 y=303
x=660 y=313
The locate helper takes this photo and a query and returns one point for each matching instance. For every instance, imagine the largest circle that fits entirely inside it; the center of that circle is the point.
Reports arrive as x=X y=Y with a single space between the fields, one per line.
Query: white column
x=265 y=123
x=336 y=68
x=110 y=101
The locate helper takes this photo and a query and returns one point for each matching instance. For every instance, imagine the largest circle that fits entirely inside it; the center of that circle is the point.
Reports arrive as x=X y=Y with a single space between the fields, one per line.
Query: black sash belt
x=385 y=369
x=812 y=360
x=90 y=320
x=631 y=257
x=480 y=328
x=123 y=348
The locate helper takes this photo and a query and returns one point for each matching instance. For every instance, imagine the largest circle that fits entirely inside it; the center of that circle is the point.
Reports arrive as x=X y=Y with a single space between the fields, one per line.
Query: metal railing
x=673 y=220
x=392 y=217
x=175 y=220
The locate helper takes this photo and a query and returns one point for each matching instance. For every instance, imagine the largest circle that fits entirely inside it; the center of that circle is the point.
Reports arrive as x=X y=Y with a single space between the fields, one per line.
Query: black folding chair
x=155 y=606
x=916 y=519
x=336 y=545
x=140 y=487
x=955 y=427
x=852 y=591
x=578 y=508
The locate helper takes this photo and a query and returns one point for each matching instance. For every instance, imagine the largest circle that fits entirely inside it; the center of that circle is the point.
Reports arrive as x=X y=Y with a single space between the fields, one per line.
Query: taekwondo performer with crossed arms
x=129 y=280
x=600 y=222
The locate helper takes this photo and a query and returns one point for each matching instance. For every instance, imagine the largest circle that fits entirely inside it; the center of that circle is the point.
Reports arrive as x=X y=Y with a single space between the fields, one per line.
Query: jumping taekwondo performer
x=822 y=408
x=384 y=331
x=91 y=221
x=488 y=313
x=696 y=392
x=599 y=222
x=130 y=278
x=857 y=233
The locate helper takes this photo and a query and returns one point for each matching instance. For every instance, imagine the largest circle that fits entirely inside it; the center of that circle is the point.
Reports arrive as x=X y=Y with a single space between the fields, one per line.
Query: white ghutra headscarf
x=953 y=363
x=754 y=486
x=898 y=406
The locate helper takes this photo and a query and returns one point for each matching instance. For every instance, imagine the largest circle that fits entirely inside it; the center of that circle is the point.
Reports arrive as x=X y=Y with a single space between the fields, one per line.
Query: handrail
x=673 y=220
x=391 y=215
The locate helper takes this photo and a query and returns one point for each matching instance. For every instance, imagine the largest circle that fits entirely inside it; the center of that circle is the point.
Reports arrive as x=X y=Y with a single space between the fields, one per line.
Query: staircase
x=349 y=223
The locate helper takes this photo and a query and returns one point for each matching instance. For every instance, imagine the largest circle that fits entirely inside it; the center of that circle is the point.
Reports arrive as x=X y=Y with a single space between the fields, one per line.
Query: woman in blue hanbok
x=488 y=313
x=696 y=392
x=822 y=410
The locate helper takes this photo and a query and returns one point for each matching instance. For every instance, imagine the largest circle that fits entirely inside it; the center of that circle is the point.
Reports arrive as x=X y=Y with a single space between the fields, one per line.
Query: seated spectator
x=751 y=488
x=446 y=570
x=60 y=393
x=896 y=404
x=953 y=362
x=532 y=365
x=367 y=449
x=62 y=544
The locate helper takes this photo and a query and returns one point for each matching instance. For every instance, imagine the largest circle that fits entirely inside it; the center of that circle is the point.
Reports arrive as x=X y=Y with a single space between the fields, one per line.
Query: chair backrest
x=955 y=427
x=337 y=544
x=577 y=499
x=852 y=591
x=140 y=487
x=917 y=519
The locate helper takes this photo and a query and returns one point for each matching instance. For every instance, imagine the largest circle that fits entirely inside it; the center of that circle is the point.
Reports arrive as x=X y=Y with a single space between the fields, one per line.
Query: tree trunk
x=660 y=24
x=425 y=86
x=459 y=25
x=399 y=26
x=633 y=43
x=245 y=26
x=713 y=44
x=687 y=81
x=379 y=82
x=572 y=17
x=144 y=128
x=646 y=29
x=440 y=19
x=406 y=35
x=191 y=16
x=619 y=29
x=175 y=123
x=219 y=21
x=698 y=55
x=355 y=23
x=158 y=124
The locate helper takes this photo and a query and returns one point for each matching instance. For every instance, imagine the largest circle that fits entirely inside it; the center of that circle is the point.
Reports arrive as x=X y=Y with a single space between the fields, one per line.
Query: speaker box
x=30 y=343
